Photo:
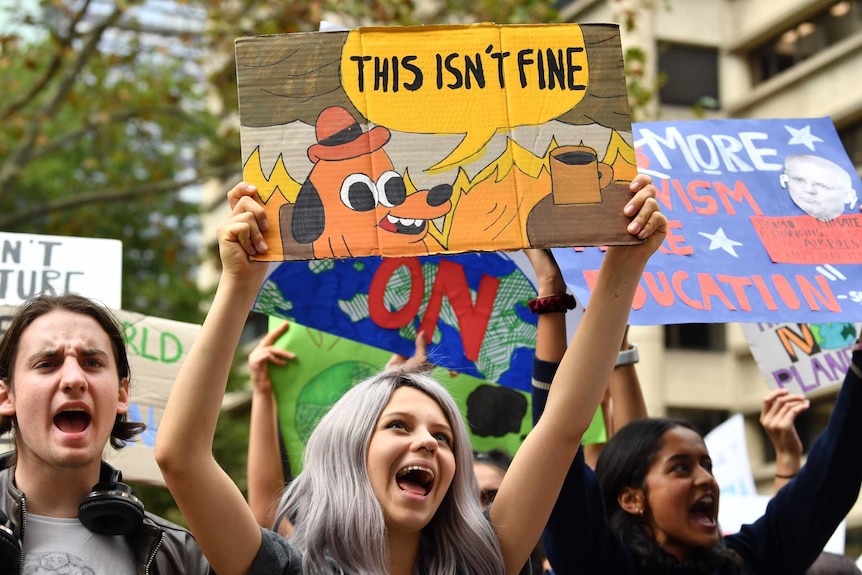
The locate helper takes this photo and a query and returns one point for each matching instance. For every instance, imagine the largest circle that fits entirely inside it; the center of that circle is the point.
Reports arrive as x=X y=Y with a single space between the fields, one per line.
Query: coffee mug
x=577 y=175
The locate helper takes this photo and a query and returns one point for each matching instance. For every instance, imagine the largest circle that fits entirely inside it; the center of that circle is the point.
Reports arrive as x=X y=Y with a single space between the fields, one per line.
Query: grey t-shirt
x=54 y=545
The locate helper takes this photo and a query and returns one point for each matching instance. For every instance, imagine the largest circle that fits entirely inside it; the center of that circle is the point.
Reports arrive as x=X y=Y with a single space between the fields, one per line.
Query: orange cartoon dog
x=353 y=202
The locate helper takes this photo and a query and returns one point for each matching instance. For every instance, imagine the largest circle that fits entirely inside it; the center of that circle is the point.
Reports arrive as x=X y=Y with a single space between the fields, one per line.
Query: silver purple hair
x=338 y=522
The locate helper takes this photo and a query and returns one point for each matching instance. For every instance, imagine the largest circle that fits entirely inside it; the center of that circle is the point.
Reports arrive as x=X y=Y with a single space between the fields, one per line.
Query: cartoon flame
x=621 y=157
x=483 y=215
x=277 y=181
x=488 y=215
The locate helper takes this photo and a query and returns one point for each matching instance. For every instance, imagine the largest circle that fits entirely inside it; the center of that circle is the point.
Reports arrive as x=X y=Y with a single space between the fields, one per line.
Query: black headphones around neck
x=111 y=508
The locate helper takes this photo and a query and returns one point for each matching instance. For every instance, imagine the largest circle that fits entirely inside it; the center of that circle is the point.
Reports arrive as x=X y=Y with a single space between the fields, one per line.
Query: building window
x=695 y=336
x=805 y=38
x=689 y=75
x=560 y=5
x=703 y=420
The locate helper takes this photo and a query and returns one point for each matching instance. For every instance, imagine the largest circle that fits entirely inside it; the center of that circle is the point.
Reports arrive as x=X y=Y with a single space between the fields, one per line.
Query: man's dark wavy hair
x=30 y=311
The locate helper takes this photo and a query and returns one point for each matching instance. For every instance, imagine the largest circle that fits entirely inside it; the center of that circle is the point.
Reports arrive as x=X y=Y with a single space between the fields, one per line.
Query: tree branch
x=64 y=42
x=16 y=161
x=111 y=195
x=94 y=123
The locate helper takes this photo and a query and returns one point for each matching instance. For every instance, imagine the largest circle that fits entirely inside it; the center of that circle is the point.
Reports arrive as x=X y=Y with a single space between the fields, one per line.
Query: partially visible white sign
x=729 y=452
x=31 y=264
x=801 y=357
x=735 y=511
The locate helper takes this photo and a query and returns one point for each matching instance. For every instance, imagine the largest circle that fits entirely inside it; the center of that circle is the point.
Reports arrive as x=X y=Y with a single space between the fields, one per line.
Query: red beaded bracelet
x=553 y=303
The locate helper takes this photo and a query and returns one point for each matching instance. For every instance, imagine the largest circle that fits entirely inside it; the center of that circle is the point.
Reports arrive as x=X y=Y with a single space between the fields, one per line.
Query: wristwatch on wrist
x=628 y=356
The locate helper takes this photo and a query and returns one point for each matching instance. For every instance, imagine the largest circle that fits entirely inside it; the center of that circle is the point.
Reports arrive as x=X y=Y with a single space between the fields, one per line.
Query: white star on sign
x=802 y=136
x=719 y=241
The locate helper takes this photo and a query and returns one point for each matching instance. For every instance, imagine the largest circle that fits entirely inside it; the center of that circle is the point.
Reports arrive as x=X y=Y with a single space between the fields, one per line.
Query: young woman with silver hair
x=388 y=485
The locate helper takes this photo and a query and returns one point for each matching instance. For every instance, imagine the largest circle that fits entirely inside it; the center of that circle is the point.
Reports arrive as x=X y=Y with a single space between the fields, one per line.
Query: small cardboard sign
x=802 y=357
x=436 y=139
x=763 y=224
x=156 y=347
x=31 y=264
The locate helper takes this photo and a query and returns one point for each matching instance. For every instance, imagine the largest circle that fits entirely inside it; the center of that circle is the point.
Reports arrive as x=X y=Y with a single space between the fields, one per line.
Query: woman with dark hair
x=651 y=507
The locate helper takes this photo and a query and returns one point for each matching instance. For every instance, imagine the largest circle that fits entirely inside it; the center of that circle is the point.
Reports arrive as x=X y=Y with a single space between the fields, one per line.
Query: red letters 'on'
x=451 y=282
x=472 y=319
x=376 y=308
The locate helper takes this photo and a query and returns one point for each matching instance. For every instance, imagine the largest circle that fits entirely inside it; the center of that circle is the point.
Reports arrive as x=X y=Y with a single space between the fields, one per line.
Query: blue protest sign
x=764 y=224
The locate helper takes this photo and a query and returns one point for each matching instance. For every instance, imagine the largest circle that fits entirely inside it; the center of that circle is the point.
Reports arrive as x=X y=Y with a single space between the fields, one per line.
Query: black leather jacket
x=161 y=547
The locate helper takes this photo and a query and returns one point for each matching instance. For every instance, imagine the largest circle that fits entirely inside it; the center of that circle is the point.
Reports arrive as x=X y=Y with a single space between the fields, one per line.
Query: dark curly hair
x=40 y=305
x=625 y=462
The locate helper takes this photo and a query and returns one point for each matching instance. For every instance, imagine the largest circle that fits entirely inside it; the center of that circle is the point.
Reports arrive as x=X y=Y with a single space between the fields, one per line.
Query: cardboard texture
x=157 y=348
x=764 y=225
x=435 y=139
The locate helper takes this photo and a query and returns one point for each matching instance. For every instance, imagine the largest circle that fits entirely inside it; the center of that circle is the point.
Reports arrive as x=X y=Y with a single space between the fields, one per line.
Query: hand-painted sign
x=157 y=348
x=802 y=357
x=327 y=366
x=436 y=139
x=764 y=225
x=31 y=264
x=475 y=305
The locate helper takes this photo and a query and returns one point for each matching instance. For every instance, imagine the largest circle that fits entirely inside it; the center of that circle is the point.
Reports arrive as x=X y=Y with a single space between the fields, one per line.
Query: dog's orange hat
x=339 y=136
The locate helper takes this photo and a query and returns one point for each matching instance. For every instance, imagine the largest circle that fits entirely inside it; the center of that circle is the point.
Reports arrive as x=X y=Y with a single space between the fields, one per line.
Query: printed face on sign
x=818 y=186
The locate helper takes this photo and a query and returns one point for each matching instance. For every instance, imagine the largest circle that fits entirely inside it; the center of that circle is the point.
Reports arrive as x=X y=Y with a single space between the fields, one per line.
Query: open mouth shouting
x=415 y=479
x=705 y=511
x=72 y=420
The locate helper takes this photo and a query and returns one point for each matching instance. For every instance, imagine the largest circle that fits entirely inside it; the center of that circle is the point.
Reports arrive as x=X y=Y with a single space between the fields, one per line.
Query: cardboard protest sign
x=327 y=366
x=764 y=225
x=436 y=139
x=31 y=264
x=475 y=305
x=156 y=348
x=802 y=357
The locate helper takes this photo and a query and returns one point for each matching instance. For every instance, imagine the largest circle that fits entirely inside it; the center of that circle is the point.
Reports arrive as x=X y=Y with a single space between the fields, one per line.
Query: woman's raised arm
x=214 y=507
x=534 y=479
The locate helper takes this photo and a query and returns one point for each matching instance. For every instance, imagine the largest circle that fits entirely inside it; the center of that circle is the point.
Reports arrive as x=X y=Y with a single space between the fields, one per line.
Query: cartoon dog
x=353 y=202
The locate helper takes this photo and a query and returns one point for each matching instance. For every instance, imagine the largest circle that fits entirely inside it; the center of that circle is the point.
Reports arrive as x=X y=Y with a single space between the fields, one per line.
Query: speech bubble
x=475 y=80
